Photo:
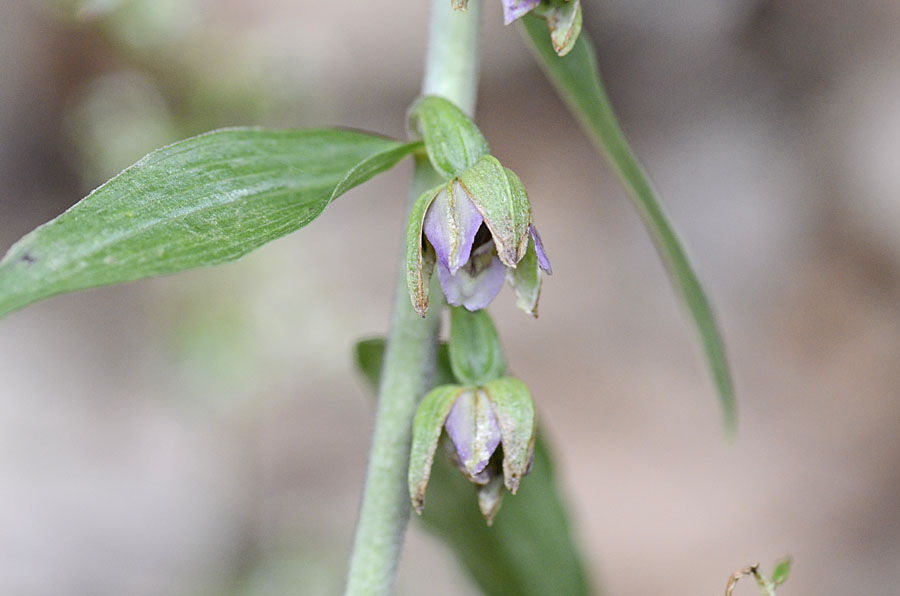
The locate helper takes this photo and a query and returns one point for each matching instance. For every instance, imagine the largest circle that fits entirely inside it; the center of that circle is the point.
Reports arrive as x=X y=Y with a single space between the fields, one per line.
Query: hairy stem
x=451 y=70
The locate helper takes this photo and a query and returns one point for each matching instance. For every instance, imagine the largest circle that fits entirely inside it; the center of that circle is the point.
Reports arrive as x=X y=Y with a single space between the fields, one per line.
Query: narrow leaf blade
x=577 y=79
x=203 y=201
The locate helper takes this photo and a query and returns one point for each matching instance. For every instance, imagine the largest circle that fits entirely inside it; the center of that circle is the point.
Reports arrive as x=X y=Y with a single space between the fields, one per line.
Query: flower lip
x=475 y=285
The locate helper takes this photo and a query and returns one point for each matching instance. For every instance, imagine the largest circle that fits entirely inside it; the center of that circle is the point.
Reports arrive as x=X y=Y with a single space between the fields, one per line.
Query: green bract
x=475 y=353
x=452 y=140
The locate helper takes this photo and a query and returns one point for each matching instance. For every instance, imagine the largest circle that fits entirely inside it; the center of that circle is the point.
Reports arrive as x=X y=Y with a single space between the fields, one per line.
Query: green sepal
x=427 y=426
x=499 y=196
x=781 y=572
x=516 y=418
x=452 y=141
x=476 y=355
x=526 y=281
x=564 y=20
x=420 y=257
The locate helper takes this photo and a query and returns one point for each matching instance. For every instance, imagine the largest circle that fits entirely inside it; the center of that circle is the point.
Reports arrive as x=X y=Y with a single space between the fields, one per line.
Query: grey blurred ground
x=206 y=433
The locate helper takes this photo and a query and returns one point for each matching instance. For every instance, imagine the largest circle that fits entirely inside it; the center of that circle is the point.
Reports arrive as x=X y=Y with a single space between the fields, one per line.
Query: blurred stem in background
x=451 y=70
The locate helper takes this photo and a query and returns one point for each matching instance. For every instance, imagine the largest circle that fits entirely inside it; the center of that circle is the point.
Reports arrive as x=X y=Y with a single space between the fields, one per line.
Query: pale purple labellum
x=474 y=291
x=543 y=260
x=451 y=223
x=472 y=426
x=514 y=9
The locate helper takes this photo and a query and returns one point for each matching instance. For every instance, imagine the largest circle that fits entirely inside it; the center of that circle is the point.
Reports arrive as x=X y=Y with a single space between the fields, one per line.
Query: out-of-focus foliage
x=577 y=79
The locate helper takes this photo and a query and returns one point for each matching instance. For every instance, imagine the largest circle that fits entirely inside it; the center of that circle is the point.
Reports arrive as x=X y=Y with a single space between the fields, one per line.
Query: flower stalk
x=451 y=71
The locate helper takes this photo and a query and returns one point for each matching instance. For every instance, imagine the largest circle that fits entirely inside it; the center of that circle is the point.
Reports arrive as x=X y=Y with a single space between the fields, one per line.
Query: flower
x=478 y=420
x=514 y=9
x=477 y=229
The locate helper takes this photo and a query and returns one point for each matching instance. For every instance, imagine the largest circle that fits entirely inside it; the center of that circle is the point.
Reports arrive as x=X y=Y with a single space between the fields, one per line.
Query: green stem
x=451 y=70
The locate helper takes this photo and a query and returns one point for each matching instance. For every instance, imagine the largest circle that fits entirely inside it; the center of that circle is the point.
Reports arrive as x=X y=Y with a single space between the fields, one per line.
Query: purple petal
x=513 y=9
x=472 y=426
x=473 y=292
x=451 y=223
x=543 y=260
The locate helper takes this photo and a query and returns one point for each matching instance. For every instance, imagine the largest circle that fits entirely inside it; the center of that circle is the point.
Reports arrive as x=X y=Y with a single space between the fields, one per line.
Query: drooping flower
x=478 y=421
x=476 y=229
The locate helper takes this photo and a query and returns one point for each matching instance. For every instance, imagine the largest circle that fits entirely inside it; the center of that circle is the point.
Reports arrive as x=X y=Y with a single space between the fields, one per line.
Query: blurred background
x=207 y=433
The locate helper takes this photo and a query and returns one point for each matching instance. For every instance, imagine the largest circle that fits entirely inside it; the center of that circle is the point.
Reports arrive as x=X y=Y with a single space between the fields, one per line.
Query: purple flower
x=514 y=9
x=478 y=420
x=477 y=230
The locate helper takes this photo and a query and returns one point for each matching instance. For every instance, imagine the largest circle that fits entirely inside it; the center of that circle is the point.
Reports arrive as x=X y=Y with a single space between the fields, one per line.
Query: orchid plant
x=215 y=197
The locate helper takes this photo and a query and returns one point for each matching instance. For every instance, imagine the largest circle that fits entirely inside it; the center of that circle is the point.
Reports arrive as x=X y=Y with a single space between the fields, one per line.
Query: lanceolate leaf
x=529 y=549
x=578 y=81
x=202 y=201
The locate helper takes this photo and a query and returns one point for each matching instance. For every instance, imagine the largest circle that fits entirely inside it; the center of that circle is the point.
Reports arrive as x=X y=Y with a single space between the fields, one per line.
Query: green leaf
x=529 y=550
x=578 y=81
x=781 y=572
x=476 y=356
x=203 y=201
x=452 y=140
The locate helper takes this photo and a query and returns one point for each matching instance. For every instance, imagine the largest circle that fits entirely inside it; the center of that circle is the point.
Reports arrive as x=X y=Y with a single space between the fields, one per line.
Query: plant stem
x=451 y=70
